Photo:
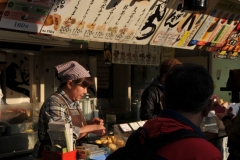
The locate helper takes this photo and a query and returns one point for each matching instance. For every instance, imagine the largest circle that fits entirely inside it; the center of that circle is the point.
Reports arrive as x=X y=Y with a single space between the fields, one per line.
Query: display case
x=19 y=118
x=121 y=134
x=18 y=128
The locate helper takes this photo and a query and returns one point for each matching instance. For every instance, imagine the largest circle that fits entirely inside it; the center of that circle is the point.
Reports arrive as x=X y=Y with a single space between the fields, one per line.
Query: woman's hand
x=92 y=128
x=96 y=121
x=99 y=129
x=100 y=132
x=81 y=135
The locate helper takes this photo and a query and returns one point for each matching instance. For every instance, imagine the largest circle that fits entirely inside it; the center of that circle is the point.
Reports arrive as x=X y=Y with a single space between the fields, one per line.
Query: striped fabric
x=55 y=109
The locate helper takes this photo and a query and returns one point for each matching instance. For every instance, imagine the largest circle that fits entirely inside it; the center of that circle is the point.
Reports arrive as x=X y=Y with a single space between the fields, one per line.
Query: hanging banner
x=54 y=18
x=179 y=26
x=231 y=47
x=2 y=8
x=25 y=15
x=112 y=20
x=135 y=54
x=166 y=53
x=228 y=25
x=151 y=22
x=214 y=24
x=107 y=53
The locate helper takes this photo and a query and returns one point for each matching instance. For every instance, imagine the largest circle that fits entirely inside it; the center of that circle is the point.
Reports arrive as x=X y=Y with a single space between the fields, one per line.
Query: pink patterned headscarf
x=71 y=70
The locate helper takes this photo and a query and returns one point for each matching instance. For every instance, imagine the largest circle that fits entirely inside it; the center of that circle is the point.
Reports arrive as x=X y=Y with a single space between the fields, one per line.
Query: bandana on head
x=71 y=70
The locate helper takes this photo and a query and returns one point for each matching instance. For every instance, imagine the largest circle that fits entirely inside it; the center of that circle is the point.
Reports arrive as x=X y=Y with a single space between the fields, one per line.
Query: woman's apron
x=77 y=120
x=77 y=117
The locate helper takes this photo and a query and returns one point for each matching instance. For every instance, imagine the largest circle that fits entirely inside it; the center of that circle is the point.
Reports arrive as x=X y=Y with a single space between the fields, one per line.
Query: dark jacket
x=150 y=100
x=232 y=129
x=185 y=148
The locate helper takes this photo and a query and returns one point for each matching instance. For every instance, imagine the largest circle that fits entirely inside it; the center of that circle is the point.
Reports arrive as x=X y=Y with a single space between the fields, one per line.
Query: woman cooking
x=63 y=105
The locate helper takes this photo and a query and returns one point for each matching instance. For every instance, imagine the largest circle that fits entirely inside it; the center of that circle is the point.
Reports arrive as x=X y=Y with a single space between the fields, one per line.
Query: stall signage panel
x=108 y=20
x=135 y=54
x=212 y=25
x=194 y=22
x=228 y=24
x=167 y=52
x=179 y=26
x=74 y=21
x=2 y=8
x=25 y=15
x=231 y=49
x=152 y=20
x=55 y=16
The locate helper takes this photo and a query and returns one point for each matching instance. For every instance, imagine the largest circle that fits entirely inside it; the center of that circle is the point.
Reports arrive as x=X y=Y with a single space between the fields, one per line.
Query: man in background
x=186 y=101
x=175 y=134
x=150 y=99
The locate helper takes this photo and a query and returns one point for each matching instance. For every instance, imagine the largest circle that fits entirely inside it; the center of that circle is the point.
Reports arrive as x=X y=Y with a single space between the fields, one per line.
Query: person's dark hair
x=84 y=82
x=167 y=64
x=188 y=88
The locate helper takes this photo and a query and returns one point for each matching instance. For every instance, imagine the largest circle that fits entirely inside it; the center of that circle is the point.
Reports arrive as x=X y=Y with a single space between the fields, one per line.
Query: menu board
x=152 y=20
x=141 y=123
x=25 y=15
x=213 y=24
x=134 y=125
x=111 y=20
x=54 y=18
x=2 y=8
x=227 y=26
x=125 y=127
x=179 y=26
x=231 y=46
x=167 y=52
x=135 y=54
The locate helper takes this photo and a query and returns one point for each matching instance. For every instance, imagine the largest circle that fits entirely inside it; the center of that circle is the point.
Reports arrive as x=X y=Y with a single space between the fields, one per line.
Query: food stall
x=122 y=44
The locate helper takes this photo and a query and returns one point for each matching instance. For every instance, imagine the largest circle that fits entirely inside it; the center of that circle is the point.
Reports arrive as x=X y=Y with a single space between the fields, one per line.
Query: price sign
x=25 y=16
x=134 y=125
x=141 y=123
x=125 y=127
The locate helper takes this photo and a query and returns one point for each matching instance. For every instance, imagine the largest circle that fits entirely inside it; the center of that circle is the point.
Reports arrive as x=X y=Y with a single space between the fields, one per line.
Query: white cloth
x=235 y=108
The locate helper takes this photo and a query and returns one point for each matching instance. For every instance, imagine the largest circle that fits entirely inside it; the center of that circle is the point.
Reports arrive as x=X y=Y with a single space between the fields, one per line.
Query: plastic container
x=210 y=125
x=91 y=147
x=95 y=153
x=120 y=138
x=48 y=155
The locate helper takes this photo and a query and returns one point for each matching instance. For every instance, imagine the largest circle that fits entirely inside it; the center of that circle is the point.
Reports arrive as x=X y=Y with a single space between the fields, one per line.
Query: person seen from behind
x=188 y=89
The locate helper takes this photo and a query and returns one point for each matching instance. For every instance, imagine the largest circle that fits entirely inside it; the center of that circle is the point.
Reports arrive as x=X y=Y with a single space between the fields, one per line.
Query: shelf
x=229 y=89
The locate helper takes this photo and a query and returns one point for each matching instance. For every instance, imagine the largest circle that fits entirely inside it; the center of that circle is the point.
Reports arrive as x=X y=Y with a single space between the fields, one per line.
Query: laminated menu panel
x=112 y=20
x=135 y=54
x=54 y=18
x=228 y=26
x=25 y=15
x=213 y=24
x=180 y=25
